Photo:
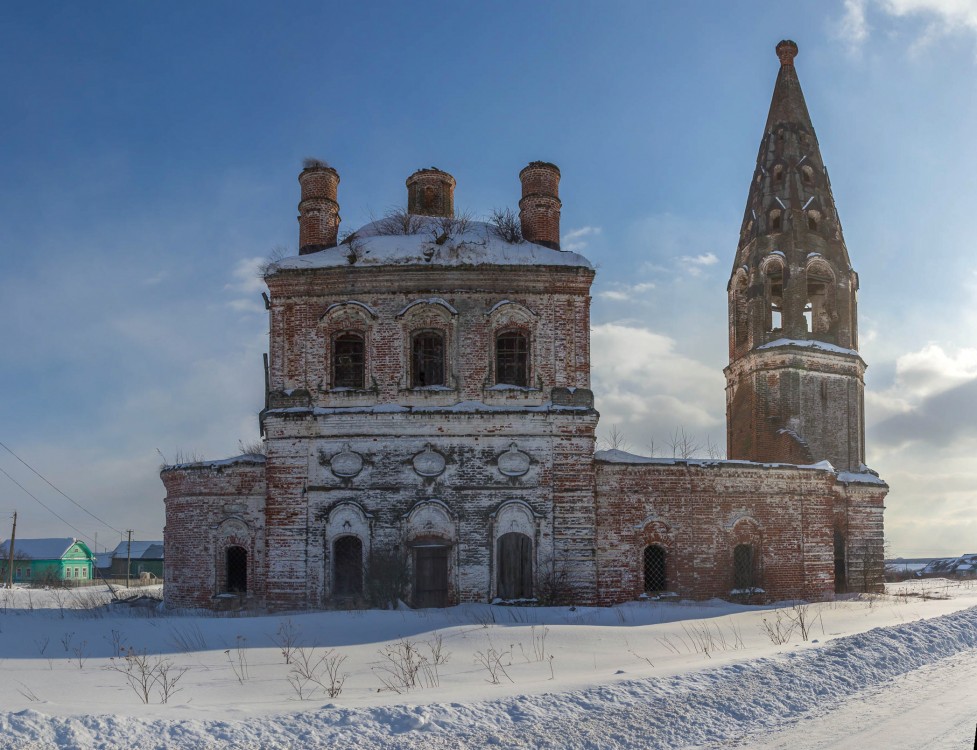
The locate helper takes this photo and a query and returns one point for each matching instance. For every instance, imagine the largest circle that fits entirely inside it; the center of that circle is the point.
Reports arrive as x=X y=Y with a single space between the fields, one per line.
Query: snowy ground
x=898 y=670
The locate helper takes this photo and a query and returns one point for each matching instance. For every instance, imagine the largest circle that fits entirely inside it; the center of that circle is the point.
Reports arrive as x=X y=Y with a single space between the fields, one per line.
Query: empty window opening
x=818 y=308
x=236 y=561
x=775 y=297
x=515 y=566
x=813 y=220
x=740 y=319
x=655 y=568
x=427 y=359
x=775 y=220
x=778 y=173
x=347 y=559
x=744 y=567
x=348 y=361
x=807 y=175
x=841 y=578
x=512 y=358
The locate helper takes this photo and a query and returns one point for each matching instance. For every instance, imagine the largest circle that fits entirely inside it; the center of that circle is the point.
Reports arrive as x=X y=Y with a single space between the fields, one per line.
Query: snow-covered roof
x=811 y=344
x=38 y=549
x=148 y=550
x=615 y=456
x=477 y=245
x=244 y=458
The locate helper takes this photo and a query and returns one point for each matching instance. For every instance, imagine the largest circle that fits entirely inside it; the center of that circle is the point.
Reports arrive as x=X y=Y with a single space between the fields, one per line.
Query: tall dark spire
x=795 y=377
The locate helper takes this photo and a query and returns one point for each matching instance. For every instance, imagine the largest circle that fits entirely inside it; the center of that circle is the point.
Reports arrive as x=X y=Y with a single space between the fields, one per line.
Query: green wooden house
x=48 y=561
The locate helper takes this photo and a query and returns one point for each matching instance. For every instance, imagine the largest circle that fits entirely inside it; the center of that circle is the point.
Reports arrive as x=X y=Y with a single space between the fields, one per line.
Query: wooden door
x=431 y=576
x=515 y=566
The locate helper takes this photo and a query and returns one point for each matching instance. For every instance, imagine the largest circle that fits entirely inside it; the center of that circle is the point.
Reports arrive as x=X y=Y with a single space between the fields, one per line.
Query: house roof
x=140 y=550
x=39 y=549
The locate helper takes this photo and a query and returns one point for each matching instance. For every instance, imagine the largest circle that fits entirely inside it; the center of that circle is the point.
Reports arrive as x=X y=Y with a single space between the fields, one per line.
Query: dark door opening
x=431 y=576
x=237 y=570
x=515 y=566
x=347 y=556
x=841 y=579
x=655 y=570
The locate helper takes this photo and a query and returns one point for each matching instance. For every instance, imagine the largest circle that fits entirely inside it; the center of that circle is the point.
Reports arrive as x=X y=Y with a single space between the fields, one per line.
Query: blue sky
x=150 y=158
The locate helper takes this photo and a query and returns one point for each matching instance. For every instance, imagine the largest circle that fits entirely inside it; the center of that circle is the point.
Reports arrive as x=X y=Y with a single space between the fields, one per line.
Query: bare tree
x=506 y=225
x=683 y=444
x=614 y=440
x=267 y=267
x=399 y=221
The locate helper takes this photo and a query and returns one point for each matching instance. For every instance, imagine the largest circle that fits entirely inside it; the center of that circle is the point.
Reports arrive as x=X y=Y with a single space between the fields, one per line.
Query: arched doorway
x=514 y=566
x=655 y=568
x=236 y=562
x=431 y=575
x=347 y=559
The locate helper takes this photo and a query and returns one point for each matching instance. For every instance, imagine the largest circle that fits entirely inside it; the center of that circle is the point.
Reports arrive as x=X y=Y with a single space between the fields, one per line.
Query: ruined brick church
x=429 y=418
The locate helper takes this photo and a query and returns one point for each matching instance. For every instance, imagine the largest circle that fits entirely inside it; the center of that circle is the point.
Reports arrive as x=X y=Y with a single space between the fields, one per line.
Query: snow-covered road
x=931 y=708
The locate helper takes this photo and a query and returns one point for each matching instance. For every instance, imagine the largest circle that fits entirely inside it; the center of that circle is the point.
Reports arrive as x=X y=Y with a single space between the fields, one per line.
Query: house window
x=236 y=562
x=18 y=572
x=348 y=361
x=28 y=572
x=655 y=569
x=347 y=559
x=67 y=572
x=427 y=359
x=84 y=573
x=512 y=358
x=744 y=567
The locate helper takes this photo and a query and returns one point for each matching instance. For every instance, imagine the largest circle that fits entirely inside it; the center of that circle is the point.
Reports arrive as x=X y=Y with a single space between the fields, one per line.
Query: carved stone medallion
x=429 y=463
x=514 y=463
x=346 y=464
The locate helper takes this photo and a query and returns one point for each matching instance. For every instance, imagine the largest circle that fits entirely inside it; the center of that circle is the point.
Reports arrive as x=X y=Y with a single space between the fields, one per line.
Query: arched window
x=515 y=566
x=348 y=361
x=744 y=567
x=807 y=175
x=778 y=173
x=775 y=296
x=236 y=561
x=819 y=306
x=427 y=359
x=512 y=358
x=775 y=220
x=813 y=219
x=655 y=568
x=347 y=566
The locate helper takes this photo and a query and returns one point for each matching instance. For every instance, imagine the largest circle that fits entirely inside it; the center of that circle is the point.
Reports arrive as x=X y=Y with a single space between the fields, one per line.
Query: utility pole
x=10 y=562
x=128 y=555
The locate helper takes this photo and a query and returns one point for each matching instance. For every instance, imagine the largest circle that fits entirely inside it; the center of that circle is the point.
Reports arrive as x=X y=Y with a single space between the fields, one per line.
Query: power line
x=104 y=523
x=80 y=532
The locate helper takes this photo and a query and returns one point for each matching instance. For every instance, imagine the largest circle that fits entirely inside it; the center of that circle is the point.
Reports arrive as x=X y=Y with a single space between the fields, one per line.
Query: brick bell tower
x=795 y=380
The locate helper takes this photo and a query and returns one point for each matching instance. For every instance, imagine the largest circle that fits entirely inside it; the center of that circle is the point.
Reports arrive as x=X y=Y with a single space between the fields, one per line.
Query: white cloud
x=648 y=389
x=922 y=375
x=626 y=292
x=853 y=26
x=939 y=17
x=575 y=239
x=247 y=276
x=695 y=263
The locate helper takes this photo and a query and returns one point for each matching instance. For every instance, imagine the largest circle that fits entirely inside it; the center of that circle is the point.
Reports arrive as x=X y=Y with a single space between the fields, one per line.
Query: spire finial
x=787 y=51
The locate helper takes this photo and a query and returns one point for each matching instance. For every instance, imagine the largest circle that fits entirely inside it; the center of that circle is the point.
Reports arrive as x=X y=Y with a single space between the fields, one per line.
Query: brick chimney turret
x=431 y=192
x=318 y=208
x=539 y=208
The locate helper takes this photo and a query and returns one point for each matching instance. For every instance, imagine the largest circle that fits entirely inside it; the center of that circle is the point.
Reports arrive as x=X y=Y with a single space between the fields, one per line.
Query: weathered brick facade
x=429 y=417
